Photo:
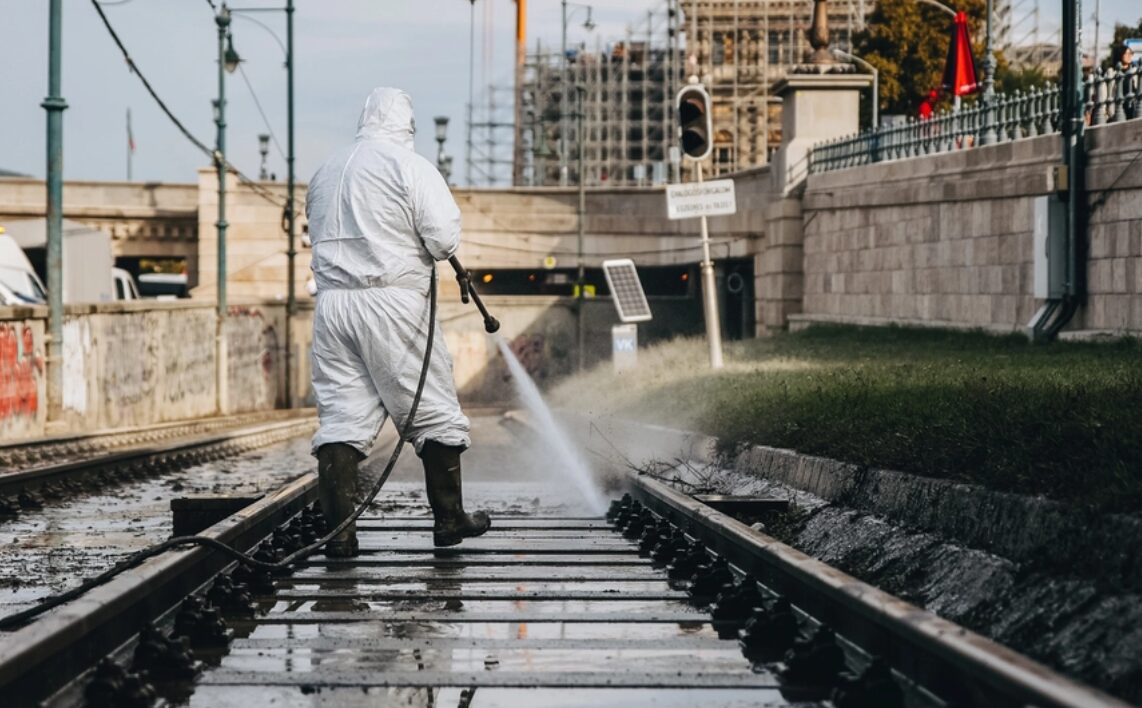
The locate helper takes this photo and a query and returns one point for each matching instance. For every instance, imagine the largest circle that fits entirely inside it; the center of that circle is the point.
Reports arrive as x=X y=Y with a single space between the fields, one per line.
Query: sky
x=343 y=49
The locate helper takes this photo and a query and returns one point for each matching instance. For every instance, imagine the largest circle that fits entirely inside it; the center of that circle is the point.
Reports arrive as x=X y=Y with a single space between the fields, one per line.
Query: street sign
x=685 y=201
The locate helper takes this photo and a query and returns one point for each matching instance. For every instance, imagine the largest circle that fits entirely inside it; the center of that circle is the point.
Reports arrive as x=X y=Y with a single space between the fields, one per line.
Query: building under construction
x=620 y=94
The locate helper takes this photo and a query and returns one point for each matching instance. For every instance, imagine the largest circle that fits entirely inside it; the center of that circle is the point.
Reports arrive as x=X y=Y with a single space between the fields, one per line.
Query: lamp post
x=441 y=136
x=988 y=136
x=55 y=105
x=263 y=150
x=564 y=94
x=291 y=184
x=581 y=217
x=875 y=83
x=227 y=62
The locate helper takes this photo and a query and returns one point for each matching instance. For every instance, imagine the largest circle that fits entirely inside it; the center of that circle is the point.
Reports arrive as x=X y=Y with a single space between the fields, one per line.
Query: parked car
x=125 y=288
x=163 y=286
x=20 y=284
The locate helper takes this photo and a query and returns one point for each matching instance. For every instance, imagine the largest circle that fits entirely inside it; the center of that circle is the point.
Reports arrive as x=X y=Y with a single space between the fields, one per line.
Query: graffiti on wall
x=21 y=370
x=187 y=364
x=252 y=343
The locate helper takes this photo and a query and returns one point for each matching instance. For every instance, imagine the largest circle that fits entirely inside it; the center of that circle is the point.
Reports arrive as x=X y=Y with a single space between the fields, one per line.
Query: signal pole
x=695 y=126
x=710 y=293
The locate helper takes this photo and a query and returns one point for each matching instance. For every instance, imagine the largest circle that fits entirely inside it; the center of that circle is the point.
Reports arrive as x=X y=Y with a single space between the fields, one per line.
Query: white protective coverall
x=380 y=216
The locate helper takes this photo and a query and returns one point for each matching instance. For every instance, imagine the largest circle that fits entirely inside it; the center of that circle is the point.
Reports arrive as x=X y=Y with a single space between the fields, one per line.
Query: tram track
x=667 y=600
x=84 y=464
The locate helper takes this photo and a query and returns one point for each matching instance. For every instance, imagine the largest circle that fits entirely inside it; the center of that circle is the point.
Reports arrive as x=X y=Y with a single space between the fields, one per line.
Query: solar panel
x=626 y=290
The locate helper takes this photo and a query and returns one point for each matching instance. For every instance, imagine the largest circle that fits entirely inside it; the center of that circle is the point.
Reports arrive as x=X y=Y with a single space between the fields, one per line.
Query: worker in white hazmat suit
x=380 y=216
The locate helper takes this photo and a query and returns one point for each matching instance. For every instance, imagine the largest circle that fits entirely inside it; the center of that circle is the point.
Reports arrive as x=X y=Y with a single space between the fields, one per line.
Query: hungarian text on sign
x=685 y=201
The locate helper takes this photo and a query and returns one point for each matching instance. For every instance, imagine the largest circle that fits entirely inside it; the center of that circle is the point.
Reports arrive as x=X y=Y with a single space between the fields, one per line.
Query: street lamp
x=228 y=61
x=988 y=135
x=441 y=136
x=263 y=150
x=588 y=25
x=875 y=83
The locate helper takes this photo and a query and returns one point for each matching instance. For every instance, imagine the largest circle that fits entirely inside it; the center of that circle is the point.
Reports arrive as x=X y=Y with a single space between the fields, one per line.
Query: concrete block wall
x=133 y=364
x=947 y=239
x=1114 y=271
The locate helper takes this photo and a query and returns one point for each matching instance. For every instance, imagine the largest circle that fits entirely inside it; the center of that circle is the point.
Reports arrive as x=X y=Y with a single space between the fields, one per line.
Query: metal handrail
x=1111 y=96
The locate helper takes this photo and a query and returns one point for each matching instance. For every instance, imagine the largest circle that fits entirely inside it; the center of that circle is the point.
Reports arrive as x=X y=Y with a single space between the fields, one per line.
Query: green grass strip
x=1062 y=420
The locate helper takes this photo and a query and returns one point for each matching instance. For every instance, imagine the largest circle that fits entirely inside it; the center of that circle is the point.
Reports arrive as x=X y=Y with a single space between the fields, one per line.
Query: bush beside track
x=1062 y=420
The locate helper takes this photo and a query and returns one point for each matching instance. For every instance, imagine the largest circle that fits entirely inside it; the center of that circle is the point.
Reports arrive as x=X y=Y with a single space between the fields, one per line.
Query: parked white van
x=18 y=282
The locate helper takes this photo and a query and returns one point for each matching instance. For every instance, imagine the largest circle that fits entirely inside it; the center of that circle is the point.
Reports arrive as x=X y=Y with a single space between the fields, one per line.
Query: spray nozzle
x=464 y=278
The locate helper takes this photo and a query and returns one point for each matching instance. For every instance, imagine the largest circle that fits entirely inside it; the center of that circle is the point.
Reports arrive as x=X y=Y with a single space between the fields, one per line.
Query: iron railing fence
x=1111 y=96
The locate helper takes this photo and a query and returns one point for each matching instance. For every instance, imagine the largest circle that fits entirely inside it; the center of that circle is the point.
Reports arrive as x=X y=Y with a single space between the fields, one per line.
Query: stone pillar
x=815 y=107
x=780 y=266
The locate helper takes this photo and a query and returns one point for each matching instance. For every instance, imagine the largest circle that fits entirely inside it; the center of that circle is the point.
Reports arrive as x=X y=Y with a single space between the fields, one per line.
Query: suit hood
x=387 y=115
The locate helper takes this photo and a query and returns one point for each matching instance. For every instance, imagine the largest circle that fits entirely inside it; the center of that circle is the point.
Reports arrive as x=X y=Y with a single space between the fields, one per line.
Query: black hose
x=21 y=618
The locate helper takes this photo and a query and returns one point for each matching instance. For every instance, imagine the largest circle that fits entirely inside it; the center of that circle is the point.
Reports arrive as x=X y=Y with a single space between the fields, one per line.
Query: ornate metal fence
x=1111 y=96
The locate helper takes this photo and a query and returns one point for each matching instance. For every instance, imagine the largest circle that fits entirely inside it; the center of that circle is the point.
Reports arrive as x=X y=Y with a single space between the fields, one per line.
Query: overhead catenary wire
x=133 y=67
x=265 y=119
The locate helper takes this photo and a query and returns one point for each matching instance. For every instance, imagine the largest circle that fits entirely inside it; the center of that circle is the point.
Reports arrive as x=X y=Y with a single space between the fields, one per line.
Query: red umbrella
x=959 y=72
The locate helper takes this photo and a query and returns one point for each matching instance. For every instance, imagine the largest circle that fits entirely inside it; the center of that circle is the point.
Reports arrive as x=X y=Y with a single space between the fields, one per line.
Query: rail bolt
x=709 y=580
x=734 y=606
x=652 y=535
x=687 y=562
x=669 y=548
x=816 y=661
x=233 y=599
x=164 y=658
x=258 y=581
x=617 y=505
x=627 y=513
x=638 y=524
x=769 y=631
x=203 y=625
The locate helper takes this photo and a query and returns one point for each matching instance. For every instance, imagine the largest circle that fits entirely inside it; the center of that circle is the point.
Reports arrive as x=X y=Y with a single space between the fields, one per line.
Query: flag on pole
x=130 y=135
x=959 y=71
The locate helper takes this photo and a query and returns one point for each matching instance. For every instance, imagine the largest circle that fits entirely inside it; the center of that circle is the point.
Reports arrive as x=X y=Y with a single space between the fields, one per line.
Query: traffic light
x=694 y=122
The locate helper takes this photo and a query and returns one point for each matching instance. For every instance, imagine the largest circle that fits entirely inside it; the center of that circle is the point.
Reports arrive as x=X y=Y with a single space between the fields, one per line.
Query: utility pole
x=471 y=87
x=227 y=61
x=581 y=276
x=291 y=216
x=988 y=135
x=55 y=105
x=564 y=90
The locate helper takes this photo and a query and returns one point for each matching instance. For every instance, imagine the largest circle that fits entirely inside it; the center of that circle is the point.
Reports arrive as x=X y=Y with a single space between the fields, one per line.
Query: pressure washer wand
x=464 y=277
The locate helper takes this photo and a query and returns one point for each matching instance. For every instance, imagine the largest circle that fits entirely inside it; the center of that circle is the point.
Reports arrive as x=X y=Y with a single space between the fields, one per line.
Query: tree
x=907 y=41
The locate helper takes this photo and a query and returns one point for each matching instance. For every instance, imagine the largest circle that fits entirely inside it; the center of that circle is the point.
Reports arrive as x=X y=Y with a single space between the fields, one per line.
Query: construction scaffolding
x=624 y=91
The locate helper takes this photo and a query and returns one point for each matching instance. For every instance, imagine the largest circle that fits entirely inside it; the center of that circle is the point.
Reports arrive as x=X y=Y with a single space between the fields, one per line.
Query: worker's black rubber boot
x=442 y=481
x=336 y=488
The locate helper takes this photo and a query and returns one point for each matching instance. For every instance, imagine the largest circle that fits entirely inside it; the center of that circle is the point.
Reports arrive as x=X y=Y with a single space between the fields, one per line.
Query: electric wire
x=242 y=178
x=265 y=119
x=21 y=618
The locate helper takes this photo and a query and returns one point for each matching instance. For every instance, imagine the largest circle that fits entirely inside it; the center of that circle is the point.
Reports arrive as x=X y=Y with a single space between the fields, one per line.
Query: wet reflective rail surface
x=542 y=610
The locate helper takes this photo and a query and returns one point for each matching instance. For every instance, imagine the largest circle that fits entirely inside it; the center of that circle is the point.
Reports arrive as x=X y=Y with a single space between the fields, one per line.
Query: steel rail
x=38 y=659
x=22 y=452
x=137 y=459
x=943 y=657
